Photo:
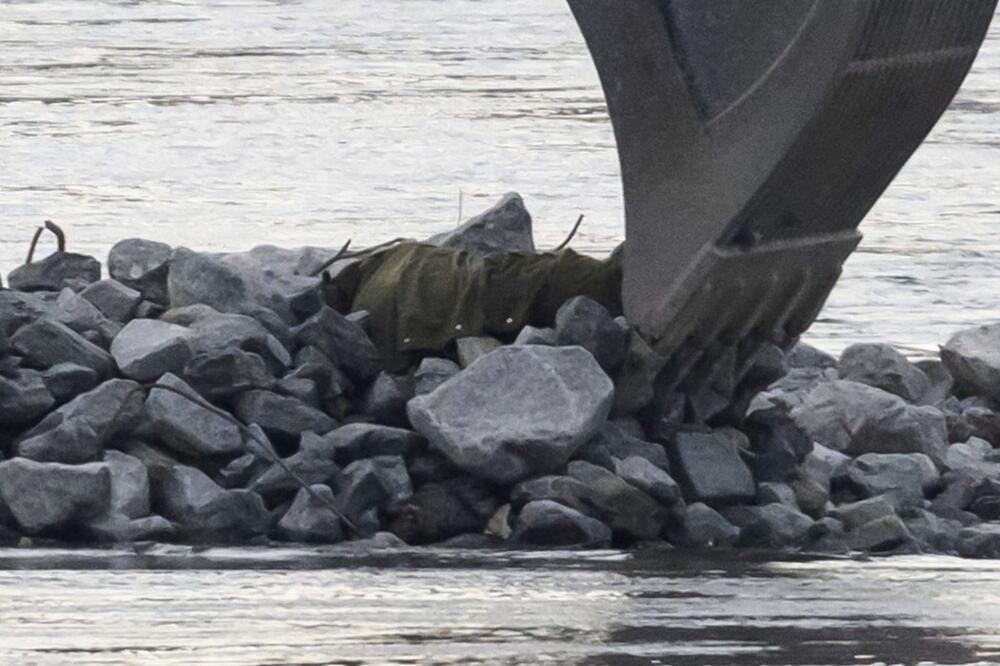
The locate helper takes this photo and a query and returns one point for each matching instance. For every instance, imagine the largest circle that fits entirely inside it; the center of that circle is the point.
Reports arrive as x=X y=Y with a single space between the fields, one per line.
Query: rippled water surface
x=311 y=607
x=221 y=124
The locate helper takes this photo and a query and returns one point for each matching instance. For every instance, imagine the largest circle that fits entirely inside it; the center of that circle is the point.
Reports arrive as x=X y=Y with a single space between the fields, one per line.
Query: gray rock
x=433 y=372
x=547 y=523
x=214 y=331
x=186 y=426
x=824 y=465
x=381 y=482
x=65 y=381
x=202 y=509
x=19 y=308
x=259 y=458
x=310 y=520
x=879 y=535
x=143 y=266
x=313 y=464
x=150 y=455
x=942 y=384
x=116 y=528
x=149 y=310
x=148 y=348
x=472 y=541
x=771 y=526
x=986 y=500
x=650 y=479
x=220 y=374
x=562 y=489
x=530 y=335
x=779 y=446
x=436 y=512
x=628 y=510
x=343 y=341
x=981 y=542
x=77 y=313
x=356 y=441
x=804 y=355
x=51 y=497
x=278 y=279
x=885 y=368
x=71 y=442
x=790 y=391
x=115 y=300
x=907 y=476
x=284 y=419
x=45 y=343
x=856 y=514
x=302 y=389
x=201 y=279
x=24 y=398
x=710 y=469
x=982 y=422
x=79 y=430
x=584 y=322
x=972 y=357
x=613 y=442
x=504 y=228
x=959 y=492
x=776 y=493
x=129 y=485
x=858 y=419
x=976 y=458
x=518 y=412
x=634 y=383
x=932 y=533
x=704 y=527
x=472 y=348
x=55 y=272
x=812 y=496
x=385 y=401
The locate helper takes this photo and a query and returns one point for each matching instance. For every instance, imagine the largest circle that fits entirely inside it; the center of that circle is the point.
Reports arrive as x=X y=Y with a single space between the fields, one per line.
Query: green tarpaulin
x=422 y=297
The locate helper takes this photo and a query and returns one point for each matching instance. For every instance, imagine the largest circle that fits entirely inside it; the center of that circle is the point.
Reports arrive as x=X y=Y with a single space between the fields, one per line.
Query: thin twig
x=34 y=244
x=572 y=234
x=60 y=234
x=337 y=257
x=375 y=248
x=245 y=433
x=359 y=253
x=461 y=202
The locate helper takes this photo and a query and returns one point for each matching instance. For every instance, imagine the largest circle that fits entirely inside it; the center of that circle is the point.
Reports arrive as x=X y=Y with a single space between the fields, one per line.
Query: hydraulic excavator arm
x=754 y=136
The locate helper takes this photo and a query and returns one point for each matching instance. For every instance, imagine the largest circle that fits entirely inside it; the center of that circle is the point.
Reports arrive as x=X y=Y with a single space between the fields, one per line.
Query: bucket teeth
x=754 y=137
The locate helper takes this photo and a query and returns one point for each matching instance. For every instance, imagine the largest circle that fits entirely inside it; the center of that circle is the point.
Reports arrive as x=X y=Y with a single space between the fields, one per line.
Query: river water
x=437 y=607
x=221 y=124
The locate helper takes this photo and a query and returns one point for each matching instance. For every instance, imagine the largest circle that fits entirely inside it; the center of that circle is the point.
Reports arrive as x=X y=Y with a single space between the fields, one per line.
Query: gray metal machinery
x=754 y=136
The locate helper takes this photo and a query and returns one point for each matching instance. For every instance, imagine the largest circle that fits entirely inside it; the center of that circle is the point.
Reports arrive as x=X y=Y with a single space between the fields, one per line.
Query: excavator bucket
x=754 y=136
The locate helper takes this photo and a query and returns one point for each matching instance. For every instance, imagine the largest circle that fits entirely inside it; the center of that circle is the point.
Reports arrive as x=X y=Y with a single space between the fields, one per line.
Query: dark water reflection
x=343 y=607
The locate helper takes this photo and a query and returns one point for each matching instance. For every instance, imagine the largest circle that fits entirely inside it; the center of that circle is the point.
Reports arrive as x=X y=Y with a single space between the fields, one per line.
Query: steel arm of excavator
x=754 y=136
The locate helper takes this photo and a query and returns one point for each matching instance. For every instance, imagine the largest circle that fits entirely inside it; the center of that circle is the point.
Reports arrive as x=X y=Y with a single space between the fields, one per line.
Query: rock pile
x=218 y=399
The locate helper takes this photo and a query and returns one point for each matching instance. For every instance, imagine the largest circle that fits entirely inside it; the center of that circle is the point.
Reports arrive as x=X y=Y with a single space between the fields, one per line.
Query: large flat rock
x=858 y=419
x=51 y=497
x=517 y=412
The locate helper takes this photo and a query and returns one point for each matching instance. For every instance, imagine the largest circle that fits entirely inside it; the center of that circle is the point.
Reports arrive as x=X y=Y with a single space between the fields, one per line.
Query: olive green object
x=422 y=297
